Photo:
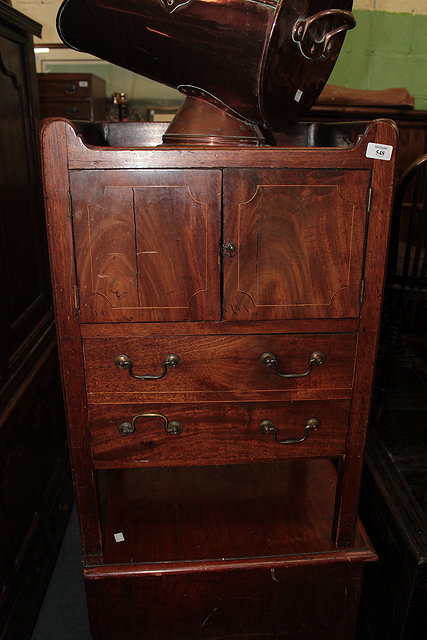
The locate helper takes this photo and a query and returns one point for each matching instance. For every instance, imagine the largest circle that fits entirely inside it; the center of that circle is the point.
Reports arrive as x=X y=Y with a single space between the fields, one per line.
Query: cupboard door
x=299 y=237
x=147 y=244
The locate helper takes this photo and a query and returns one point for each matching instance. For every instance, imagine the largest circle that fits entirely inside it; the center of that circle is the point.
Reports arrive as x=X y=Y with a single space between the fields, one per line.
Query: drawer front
x=216 y=433
x=212 y=366
x=65 y=87
x=76 y=109
x=276 y=602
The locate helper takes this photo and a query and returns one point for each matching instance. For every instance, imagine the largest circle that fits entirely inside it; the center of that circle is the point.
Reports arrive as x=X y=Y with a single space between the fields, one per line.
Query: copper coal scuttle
x=244 y=65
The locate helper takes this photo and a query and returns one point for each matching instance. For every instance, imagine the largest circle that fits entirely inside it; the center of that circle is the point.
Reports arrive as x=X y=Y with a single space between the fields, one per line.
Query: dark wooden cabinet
x=26 y=305
x=116 y=252
x=394 y=509
x=80 y=96
x=35 y=481
x=218 y=314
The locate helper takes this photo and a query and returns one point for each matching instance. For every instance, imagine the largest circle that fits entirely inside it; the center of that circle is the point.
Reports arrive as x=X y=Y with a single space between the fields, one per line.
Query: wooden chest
x=218 y=312
x=80 y=96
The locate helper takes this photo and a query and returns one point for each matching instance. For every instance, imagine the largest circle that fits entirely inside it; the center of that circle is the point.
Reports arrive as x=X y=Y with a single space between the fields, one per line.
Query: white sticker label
x=83 y=83
x=298 y=95
x=379 y=151
x=119 y=537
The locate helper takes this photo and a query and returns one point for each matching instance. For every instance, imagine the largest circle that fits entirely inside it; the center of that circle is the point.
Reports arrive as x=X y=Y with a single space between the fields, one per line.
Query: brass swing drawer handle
x=316 y=359
x=124 y=362
x=172 y=427
x=267 y=426
x=312 y=47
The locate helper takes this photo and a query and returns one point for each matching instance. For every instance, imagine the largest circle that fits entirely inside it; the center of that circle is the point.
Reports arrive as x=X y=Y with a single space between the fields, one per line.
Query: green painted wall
x=385 y=50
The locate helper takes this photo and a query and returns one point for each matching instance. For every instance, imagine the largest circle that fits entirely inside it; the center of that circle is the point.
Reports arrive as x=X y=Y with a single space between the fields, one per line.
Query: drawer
x=76 y=109
x=295 y=598
x=211 y=367
x=52 y=86
x=216 y=433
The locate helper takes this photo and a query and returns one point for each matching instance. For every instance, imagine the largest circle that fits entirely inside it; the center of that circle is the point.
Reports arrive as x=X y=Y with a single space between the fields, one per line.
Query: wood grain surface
x=216 y=433
x=136 y=236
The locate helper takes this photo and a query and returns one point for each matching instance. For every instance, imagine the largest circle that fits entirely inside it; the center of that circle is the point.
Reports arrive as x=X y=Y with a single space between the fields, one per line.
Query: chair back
x=407 y=265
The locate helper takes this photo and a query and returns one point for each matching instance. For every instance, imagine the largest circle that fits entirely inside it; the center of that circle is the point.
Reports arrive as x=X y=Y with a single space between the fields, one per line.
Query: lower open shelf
x=221 y=513
x=224 y=553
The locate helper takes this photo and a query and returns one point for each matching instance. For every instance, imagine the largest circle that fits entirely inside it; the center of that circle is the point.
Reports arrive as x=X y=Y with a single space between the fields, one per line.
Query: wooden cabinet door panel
x=299 y=239
x=147 y=245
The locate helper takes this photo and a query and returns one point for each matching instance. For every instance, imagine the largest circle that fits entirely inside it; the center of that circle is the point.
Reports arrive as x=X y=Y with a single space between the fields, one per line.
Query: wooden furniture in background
x=411 y=124
x=404 y=321
x=35 y=479
x=407 y=265
x=218 y=312
x=394 y=509
x=79 y=96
